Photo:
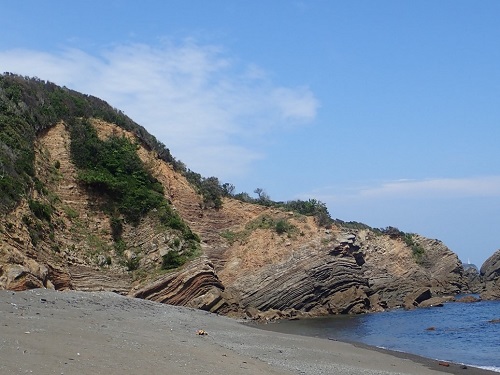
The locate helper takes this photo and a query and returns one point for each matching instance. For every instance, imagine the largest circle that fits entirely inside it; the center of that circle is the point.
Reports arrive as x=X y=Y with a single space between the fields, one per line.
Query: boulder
x=195 y=285
x=412 y=300
x=351 y=301
x=210 y=301
x=20 y=278
x=468 y=299
x=435 y=301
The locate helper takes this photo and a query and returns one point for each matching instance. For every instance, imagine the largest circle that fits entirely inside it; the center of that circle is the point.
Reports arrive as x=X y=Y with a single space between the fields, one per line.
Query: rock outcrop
x=395 y=274
x=337 y=271
x=473 y=280
x=246 y=266
x=490 y=273
x=195 y=285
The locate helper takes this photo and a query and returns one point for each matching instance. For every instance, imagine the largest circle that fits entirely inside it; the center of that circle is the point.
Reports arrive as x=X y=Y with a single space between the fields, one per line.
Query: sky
x=387 y=111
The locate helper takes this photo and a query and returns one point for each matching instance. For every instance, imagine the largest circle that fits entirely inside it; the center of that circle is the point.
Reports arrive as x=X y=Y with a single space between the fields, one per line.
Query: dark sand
x=48 y=332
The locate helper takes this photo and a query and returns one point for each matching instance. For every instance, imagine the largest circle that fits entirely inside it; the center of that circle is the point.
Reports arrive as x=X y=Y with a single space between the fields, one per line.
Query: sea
x=464 y=333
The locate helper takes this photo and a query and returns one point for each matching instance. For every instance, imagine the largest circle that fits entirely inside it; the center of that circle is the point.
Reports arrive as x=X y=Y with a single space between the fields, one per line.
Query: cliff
x=68 y=227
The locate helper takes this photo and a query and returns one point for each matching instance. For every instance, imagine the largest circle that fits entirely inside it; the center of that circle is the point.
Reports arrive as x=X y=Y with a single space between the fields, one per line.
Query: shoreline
x=434 y=364
x=441 y=366
x=49 y=332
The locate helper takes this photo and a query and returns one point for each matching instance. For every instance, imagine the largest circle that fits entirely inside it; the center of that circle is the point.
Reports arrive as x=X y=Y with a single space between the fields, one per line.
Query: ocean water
x=461 y=332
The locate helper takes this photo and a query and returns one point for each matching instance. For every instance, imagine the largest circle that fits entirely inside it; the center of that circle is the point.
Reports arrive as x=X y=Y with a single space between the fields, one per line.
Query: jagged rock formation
x=244 y=266
x=396 y=273
x=490 y=273
x=337 y=271
x=473 y=280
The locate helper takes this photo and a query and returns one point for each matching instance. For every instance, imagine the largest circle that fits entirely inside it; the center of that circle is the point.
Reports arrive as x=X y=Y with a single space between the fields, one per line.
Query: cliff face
x=490 y=273
x=336 y=271
x=247 y=263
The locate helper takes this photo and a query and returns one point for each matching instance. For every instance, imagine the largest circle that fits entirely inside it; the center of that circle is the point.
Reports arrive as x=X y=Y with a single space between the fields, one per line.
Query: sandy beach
x=48 y=332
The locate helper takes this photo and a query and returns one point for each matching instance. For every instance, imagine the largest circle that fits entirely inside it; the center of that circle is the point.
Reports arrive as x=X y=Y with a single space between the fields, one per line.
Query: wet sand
x=48 y=332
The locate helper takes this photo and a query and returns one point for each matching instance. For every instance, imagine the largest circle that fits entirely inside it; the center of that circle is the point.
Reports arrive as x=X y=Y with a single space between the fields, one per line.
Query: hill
x=92 y=201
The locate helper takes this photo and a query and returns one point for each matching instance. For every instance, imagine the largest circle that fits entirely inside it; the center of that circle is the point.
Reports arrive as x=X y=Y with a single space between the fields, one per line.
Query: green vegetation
x=70 y=212
x=173 y=259
x=108 y=168
x=210 y=188
x=232 y=236
x=181 y=252
x=35 y=229
x=417 y=250
x=28 y=106
x=112 y=167
x=355 y=225
x=311 y=207
x=41 y=210
x=280 y=226
x=283 y=226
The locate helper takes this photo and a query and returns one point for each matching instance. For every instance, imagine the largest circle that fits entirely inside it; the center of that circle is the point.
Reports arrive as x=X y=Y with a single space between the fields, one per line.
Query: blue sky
x=387 y=111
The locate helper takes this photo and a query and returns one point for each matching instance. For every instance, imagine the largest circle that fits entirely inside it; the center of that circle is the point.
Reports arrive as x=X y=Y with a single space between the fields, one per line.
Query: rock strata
x=490 y=273
x=195 y=285
x=246 y=267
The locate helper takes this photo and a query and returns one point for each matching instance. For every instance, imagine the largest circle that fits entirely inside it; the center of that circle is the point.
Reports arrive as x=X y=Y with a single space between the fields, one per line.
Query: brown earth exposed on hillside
x=246 y=264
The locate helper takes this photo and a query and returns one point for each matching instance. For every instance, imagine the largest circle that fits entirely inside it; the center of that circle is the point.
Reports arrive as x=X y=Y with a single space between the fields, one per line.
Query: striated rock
x=25 y=281
x=59 y=277
x=212 y=300
x=319 y=284
x=89 y=279
x=19 y=277
x=394 y=273
x=359 y=272
x=195 y=285
x=490 y=273
x=412 y=300
x=351 y=301
x=253 y=271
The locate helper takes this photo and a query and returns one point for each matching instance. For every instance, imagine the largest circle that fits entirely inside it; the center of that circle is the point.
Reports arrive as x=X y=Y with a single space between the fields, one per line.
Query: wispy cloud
x=209 y=108
x=442 y=188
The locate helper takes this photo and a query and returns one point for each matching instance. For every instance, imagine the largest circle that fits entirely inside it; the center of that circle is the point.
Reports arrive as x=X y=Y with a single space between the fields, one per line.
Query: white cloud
x=205 y=106
x=295 y=103
x=442 y=188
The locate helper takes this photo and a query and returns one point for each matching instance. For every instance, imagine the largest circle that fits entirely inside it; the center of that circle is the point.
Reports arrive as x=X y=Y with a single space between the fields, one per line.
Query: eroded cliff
x=252 y=259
